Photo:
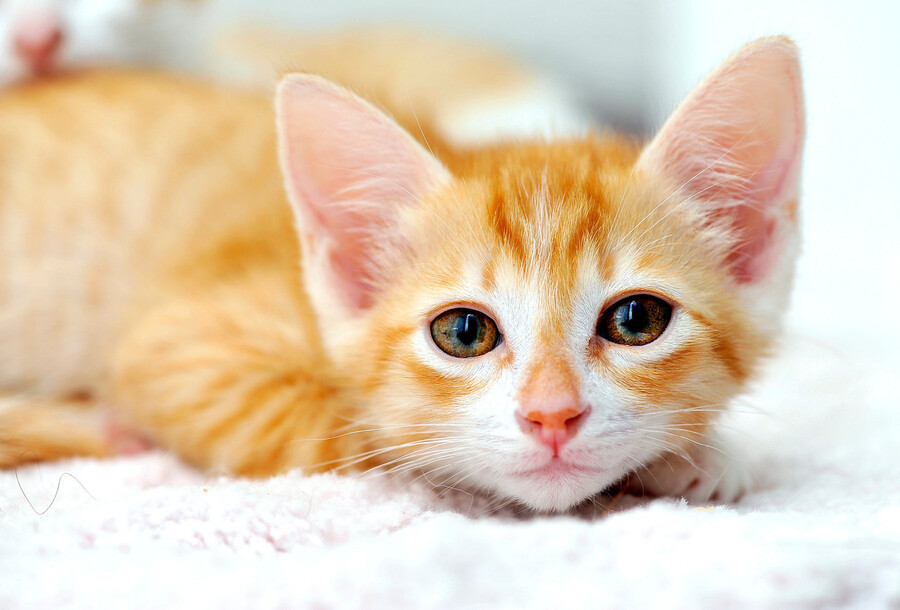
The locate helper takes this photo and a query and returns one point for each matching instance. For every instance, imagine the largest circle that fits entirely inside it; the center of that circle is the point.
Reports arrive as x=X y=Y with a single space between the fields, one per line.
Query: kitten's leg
x=232 y=379
x=40 y=429
x=711 y=472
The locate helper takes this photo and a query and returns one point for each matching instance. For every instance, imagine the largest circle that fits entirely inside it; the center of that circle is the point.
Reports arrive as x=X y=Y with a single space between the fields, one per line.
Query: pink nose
x=550 y=405
x=36 y=40
x=554 y=423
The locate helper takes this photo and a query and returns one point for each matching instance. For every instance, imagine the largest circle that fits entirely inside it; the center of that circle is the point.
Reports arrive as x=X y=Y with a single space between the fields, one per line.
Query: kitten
x=536 y=320
x=38 y=37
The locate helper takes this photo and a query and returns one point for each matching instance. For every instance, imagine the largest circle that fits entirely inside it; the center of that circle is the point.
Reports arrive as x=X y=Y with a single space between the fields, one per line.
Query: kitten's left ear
x=734 y=148
x=350 y=171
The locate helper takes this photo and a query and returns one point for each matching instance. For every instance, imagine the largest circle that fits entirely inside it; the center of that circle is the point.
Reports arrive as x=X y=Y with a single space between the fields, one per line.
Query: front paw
x=705 y=474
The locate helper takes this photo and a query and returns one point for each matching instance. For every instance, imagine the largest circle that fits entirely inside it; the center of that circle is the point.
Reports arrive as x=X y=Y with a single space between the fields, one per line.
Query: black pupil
x=635 y=318
x=467 y=327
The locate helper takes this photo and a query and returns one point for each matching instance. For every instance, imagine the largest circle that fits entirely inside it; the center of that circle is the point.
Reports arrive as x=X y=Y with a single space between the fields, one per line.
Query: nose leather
x=550 y=405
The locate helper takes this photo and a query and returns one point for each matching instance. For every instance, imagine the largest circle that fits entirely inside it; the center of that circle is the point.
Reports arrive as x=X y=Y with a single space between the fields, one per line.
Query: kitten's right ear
x=349 y=171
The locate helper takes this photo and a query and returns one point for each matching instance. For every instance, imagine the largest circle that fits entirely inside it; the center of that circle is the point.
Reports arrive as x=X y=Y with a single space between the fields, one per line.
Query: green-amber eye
x=464 y=333
x=636 y=320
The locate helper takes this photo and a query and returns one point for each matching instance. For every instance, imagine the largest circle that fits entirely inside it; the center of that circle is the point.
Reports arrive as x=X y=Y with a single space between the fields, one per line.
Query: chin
x=552 y=492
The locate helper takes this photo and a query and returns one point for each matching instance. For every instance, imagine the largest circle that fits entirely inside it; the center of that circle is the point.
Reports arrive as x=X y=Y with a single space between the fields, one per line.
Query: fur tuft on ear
x=734 y=149
x=349 y=172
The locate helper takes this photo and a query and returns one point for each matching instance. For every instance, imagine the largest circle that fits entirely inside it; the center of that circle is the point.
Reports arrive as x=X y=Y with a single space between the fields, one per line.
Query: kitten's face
x=546 y=318
x=548 y=248
x=43 y=36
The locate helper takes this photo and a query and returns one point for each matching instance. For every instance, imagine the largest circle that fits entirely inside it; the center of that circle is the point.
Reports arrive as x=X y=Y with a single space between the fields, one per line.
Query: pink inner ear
x=349 y=170
x=735 y=145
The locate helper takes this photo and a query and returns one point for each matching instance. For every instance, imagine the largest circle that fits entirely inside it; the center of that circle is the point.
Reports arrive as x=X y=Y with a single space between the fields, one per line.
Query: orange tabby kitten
x=536 y=320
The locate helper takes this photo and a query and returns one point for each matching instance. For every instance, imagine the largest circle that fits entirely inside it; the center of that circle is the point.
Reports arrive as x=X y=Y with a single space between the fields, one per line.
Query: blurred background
x=629 y=63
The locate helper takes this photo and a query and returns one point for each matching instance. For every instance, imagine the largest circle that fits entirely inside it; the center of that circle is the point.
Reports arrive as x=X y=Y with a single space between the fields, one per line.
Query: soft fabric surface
x=821 y=529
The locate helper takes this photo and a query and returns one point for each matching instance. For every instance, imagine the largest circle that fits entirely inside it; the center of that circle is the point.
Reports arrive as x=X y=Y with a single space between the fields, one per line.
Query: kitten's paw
x=706 y=475
x=123 y=440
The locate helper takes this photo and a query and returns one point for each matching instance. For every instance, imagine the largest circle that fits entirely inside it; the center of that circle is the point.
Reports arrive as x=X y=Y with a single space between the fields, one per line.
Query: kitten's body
x=157 y=272
x=136 y=209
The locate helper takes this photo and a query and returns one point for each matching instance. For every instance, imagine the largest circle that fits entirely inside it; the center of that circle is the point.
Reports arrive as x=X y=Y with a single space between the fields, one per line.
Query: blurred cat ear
x=349 y=172
x=734 y=148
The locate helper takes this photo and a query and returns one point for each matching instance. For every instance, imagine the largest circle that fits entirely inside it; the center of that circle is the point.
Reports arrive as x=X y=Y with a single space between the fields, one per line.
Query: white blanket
x=821 y=528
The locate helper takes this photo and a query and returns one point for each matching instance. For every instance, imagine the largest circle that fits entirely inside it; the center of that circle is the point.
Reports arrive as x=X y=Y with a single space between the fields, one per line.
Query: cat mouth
x=555 y=470
x=555 y=485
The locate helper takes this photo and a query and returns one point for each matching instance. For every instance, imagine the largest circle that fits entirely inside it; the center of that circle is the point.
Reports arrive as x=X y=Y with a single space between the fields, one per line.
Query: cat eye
x=635 y=320
x=464 y=333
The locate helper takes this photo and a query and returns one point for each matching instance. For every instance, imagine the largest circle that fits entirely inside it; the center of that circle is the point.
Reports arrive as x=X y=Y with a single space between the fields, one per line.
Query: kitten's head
x=38 y=37
x=540 y=319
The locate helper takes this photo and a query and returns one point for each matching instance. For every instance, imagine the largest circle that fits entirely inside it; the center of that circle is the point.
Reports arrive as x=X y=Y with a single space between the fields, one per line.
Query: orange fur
x=149 y=259
x=467 y=92
x=386 y=64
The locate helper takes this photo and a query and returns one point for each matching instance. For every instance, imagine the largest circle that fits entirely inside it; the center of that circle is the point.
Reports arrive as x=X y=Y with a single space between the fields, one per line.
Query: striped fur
x=148 y=262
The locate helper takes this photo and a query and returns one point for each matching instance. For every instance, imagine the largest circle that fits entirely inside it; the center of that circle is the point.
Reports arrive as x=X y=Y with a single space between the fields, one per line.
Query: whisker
x=419 y=125
x=352 y=460
x=684 y=202
x=376 y=429
x=685 y=185
x=404 y=464
x=430 y=150
x=688 y=439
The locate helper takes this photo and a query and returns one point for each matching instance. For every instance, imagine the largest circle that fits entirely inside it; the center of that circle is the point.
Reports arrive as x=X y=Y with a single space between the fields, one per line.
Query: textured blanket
x=820 y=529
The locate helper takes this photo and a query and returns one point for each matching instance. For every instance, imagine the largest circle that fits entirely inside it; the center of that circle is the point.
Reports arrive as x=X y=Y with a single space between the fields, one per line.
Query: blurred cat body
x=39 y=37
x=157 y=272
x=469 y=92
